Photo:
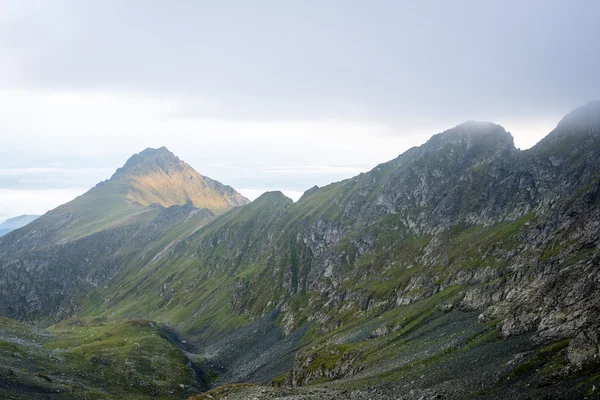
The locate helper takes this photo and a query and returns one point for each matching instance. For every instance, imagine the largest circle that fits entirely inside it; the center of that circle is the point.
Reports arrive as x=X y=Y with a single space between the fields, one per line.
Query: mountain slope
x=15 y=223
x=464 y=267
x=117 y=226
x=94 y=359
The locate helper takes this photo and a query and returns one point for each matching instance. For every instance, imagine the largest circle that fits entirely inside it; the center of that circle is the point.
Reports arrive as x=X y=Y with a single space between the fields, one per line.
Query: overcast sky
x=274 y=94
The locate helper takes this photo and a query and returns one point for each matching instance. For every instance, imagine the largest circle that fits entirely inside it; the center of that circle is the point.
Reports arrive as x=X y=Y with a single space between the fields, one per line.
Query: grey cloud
x=270 y=59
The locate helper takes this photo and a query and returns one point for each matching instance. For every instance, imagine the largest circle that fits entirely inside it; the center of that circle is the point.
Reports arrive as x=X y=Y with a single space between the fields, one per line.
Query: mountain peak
x=150 y=152
x=479 y=129
x=584 y=118
x=157 y=176
x=573 y=130
x=474 y=134
x=149 y=159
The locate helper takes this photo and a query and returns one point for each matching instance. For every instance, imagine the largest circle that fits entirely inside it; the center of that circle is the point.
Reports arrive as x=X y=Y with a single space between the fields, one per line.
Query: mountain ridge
x=464 y=267
x=584 y=117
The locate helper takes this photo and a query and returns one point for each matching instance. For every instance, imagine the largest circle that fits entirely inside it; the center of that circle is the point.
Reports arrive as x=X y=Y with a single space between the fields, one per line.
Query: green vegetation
x=478 y=246
x=128 y=358
x=294 y=264
x=541 y=358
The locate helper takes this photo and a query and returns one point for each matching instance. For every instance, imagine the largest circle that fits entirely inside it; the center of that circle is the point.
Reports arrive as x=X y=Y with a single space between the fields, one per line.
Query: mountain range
x=15 y=223
x=464 y=268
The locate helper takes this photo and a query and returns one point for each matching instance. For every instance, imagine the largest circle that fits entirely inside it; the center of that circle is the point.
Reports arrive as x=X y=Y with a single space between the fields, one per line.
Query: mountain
x=149 y=181
x=153 y=198
x=157 y=176
x=462 y=268
x=15 y=223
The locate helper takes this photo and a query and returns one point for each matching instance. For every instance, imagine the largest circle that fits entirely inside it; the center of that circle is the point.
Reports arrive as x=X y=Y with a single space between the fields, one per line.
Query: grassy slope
x=192 y=288
x=103 y=207
x=93 y=359
x=234 y=249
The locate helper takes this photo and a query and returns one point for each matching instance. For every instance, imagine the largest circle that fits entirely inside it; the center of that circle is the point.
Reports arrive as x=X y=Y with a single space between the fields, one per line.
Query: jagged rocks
x=328 y=363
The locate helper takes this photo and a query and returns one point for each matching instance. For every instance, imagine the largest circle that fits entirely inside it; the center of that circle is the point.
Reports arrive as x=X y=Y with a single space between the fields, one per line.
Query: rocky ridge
x=464 y=267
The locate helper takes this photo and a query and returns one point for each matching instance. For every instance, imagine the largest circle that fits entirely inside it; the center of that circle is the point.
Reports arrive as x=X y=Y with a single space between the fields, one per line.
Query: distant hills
x=15 y=223
x=463 y=268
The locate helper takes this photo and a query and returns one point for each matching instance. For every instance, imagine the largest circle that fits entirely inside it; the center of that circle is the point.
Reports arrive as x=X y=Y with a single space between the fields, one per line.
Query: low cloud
x=51 y=178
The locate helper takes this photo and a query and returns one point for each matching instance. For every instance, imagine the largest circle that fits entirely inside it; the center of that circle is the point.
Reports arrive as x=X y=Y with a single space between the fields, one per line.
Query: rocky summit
x=157 y=176
x=464 y=268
